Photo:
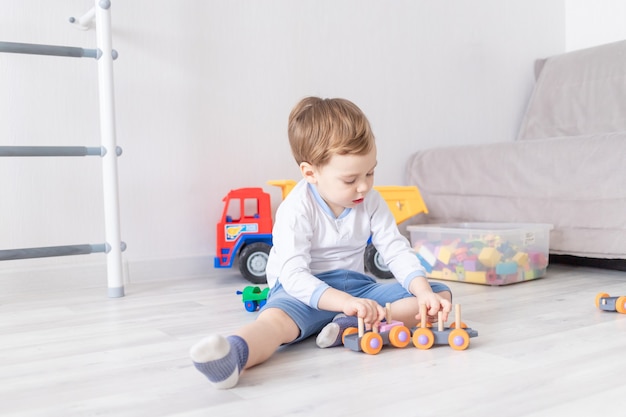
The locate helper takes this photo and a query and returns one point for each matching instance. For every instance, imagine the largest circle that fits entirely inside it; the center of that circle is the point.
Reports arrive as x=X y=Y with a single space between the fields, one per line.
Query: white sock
x=220 y=359
x=331 y=334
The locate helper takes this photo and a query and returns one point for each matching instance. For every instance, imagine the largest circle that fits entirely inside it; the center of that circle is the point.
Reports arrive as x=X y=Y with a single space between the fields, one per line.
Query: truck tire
x=374 y=263
x=253 y=261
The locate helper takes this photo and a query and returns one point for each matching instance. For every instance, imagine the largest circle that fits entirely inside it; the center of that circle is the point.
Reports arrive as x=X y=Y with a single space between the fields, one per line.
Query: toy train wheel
x=399 y=336
x=253 y=260
x=423 y=338
x=349 y=330
x=599 y=297
x=620 y=305
x=458 y=339
x=371 y=343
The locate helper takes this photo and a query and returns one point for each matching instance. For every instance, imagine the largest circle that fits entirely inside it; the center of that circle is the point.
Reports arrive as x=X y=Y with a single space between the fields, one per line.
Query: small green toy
x=253 y=297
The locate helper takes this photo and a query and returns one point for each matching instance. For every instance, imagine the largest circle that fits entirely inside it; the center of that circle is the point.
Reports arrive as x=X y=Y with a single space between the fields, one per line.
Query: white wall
x=590 y=23
x=203 y=92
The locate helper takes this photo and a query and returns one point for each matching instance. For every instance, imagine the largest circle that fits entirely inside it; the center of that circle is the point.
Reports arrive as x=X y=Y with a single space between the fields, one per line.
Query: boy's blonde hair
x=320 y=128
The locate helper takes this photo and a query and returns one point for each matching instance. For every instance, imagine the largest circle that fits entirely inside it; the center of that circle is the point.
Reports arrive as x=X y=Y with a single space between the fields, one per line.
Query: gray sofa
x=567 y=167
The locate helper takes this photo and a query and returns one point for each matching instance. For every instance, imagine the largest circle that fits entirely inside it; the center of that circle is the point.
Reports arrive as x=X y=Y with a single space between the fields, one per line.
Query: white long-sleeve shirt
x=309 y=239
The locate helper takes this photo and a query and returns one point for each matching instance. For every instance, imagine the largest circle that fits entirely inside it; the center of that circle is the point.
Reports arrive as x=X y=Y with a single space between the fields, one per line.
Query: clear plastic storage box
x=482 y=253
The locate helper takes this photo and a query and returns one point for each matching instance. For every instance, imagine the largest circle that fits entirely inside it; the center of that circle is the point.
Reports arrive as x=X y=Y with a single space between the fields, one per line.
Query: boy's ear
x=308 y=172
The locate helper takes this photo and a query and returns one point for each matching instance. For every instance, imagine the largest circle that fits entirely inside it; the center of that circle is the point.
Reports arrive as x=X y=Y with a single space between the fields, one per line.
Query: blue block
x=506 y=268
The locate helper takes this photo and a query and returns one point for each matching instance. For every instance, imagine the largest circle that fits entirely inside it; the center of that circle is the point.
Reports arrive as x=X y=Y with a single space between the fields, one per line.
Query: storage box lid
x=479 y=227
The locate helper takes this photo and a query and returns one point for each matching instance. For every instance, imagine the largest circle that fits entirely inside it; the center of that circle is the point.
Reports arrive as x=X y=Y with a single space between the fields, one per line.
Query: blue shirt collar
x=325 y=206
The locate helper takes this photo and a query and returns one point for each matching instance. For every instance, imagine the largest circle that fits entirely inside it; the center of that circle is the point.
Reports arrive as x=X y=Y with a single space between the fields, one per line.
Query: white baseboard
x=94 y=272
x=157 y=269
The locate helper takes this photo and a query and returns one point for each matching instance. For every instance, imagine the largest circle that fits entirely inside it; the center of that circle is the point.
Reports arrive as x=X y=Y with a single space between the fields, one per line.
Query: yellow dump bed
x=403 y=201
x=285 y=185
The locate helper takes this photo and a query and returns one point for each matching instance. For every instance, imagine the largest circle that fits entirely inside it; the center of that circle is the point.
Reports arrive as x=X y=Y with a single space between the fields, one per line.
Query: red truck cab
x=245 y=230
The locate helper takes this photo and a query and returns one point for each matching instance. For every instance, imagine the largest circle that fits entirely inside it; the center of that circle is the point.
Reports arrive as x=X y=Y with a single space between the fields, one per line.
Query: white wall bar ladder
x=109 y=151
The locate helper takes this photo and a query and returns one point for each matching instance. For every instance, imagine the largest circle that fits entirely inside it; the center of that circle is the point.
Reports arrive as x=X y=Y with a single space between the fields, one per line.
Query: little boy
x=315 y=269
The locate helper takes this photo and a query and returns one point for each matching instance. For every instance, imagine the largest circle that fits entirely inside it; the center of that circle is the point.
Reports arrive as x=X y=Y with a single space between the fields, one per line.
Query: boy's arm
x=392 y=245
x=401 y=259
x=335 y=300
x=291 y=254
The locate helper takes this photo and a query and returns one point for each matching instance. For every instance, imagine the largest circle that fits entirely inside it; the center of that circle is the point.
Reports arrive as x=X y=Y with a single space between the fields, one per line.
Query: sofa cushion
x=578 y=93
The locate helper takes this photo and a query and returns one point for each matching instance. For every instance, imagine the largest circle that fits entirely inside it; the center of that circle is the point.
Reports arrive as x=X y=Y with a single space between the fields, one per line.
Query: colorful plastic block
x=476 y=277
x=444 y=253
x=489 y=257
x=521 y=258
x=427 y=255
x=506 y=268
x=470 y=265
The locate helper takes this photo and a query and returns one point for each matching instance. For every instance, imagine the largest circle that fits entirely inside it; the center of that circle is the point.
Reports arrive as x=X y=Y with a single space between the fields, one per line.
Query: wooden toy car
x=391 y=332
x=607 y=303
x=457 y=335
x=398 y=335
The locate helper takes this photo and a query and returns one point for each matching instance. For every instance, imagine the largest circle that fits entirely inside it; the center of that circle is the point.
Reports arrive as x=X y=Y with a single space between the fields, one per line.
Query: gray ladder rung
x=50 y=151
x=36 y=49
x=52 y=251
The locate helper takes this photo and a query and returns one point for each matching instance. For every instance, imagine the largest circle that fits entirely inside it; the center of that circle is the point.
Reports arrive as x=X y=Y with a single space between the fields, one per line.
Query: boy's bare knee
x=284 y=327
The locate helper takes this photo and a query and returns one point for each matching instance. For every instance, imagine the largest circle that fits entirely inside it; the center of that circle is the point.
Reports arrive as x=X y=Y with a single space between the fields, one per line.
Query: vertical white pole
x=109 y=160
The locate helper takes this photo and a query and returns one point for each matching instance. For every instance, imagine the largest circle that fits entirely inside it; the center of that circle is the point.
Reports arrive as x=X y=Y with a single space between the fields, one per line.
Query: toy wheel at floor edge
x=607 y=303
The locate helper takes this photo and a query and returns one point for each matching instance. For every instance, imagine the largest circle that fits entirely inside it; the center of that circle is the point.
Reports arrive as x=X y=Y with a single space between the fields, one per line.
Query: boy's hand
x=370 y=311
x=434 y=303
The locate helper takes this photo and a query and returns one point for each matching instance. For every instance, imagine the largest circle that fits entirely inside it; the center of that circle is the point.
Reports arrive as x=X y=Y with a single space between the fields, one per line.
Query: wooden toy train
x=395 y=333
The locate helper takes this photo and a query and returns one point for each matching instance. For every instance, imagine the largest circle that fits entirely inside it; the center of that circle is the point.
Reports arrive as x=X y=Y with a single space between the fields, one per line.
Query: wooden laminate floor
x=543 y=350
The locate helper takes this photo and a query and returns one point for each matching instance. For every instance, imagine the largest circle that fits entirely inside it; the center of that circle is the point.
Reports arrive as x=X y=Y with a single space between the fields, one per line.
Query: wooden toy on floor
x=607 y=303
x=391 y=332
x=398 y=335
x=457 y=335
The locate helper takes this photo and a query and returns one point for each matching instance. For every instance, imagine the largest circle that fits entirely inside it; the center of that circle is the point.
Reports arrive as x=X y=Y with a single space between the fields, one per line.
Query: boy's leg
x=332 y=334
x=404 y=305
x=344 y=280
x=406 y=310
x=222 y=359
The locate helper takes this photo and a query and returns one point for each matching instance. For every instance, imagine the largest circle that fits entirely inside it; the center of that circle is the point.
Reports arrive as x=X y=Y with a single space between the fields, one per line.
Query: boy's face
x=344 y=181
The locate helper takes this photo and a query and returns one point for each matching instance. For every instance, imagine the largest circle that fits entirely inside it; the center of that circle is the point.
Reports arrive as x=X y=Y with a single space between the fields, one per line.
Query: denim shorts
x=310 y=320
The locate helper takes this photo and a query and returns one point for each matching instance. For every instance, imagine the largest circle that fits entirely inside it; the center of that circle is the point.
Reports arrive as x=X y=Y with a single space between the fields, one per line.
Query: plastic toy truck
x=253 y=298
x=607 y=303
x=245 y=229
x=245 y=232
